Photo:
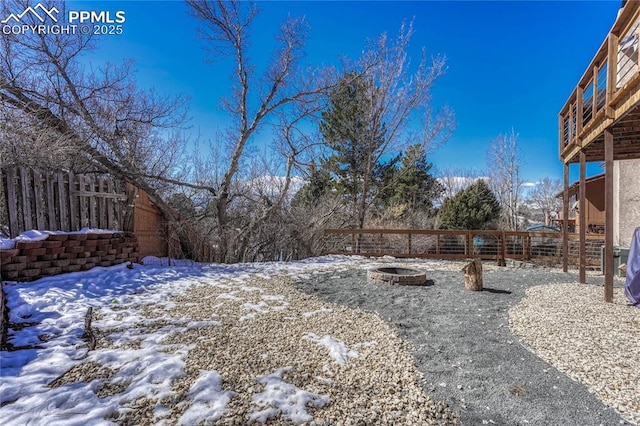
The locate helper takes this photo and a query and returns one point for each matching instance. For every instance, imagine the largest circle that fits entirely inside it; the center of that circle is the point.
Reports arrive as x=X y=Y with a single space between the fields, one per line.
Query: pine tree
x=318 y=185
x=473 y=208
x=350 y=129
x=415 y=187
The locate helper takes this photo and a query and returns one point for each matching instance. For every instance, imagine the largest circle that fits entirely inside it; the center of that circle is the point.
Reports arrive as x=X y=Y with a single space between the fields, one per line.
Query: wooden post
x=580 y=109
x=594 y=99
x=608 y=208
x=583 y=219
x=473 y=275
x=409 y=243
x=612 y=72
x=565 y=220
x=353 y=243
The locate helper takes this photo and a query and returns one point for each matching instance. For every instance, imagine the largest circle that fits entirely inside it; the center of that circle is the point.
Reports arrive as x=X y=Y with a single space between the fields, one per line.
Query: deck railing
x=458 y=244
x=603 y=92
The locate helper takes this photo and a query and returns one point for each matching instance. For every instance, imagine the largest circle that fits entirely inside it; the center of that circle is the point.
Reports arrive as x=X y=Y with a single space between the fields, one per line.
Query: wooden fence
x=459 y=244
x=63 y=201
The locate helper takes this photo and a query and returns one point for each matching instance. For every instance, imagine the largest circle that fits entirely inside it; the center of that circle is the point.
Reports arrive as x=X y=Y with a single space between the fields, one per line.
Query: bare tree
x=24 y=144
x=55 y=100
x=544 y=197
x=503 y=162
x=394 y=100
x=283 y=87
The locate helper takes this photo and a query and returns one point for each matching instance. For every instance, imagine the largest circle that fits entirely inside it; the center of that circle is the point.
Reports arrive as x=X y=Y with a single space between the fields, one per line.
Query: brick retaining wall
x=61 y=253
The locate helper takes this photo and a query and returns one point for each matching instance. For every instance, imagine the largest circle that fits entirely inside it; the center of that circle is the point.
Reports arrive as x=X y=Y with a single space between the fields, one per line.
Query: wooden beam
x=565 y=220
x=608 y=208
x=583 y=220
x=560 y=136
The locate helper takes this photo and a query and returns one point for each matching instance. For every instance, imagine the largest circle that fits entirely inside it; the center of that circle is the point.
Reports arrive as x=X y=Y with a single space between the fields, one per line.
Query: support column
x=608 y=209
x=583 y=219
x=565 y=220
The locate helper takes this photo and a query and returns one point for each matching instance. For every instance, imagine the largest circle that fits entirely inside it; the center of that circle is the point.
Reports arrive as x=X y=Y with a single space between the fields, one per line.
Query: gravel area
x=375 y=383
x=596 y=343
x=341 y=365
x=462 y=343
x=329 y=348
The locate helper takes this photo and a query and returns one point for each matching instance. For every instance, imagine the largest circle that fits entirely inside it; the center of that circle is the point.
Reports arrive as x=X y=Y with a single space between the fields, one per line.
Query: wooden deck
x=606 y=97
x=601 y=122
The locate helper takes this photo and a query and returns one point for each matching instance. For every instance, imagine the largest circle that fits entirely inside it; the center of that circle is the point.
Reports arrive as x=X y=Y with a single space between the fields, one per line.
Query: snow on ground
x=131 y=304
x=338 y=351
x=280 y=397
x=209 y=400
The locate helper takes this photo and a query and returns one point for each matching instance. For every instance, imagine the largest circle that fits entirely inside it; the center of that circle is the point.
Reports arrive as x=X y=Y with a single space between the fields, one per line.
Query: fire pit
x=397 y=276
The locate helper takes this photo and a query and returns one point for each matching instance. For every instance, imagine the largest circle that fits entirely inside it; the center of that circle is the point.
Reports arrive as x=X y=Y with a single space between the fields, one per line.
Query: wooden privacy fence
x=459 y=244
x=156 y=237
x=63 y=201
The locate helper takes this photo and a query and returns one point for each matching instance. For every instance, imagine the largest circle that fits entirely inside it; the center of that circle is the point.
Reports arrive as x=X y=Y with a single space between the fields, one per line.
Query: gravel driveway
x=462 y=343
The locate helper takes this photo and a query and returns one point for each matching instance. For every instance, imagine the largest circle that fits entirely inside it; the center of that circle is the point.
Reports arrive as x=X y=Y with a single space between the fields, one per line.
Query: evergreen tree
x=415 y=187
x=350 y=128
x=473 y=208
x=319 y=184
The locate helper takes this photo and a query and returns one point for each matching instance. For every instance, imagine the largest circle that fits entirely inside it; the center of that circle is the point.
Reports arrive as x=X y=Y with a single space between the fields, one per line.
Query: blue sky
x=511 y=64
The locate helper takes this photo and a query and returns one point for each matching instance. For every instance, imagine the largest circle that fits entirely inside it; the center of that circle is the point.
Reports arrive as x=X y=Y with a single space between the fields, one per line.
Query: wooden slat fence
x=63 y=201
x=460 y=244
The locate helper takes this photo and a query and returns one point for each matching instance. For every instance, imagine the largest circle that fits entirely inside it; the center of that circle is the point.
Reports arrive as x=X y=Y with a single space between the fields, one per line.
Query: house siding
x=629 y=200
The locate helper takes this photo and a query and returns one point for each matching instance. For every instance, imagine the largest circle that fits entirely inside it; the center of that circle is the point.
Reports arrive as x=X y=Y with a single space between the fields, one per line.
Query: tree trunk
x=473 y=275
x=222 y=254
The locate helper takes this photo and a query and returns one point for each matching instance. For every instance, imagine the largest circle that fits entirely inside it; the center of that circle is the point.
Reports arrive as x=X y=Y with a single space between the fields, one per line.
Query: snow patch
x=285 y=399
x=319 y=311
x=337 y=349
x=209 y=399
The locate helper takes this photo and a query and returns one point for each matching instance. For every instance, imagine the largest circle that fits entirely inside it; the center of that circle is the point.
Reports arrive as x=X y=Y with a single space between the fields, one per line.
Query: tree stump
x=473 y=275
